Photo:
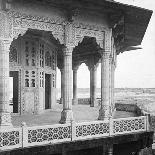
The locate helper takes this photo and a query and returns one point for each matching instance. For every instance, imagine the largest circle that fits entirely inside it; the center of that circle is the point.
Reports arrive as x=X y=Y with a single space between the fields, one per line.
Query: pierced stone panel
x=30 y=78
x=48 y=59
x=42 y=79
x=10 y=139
x=41 y=55
x=42 y=135
x=129 y=125
x=91 y=129
x=30 y=53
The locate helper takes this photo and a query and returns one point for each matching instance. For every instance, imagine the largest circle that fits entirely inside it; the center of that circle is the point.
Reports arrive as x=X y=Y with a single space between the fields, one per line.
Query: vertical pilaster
x=113 y=78
x=62 y=85
x=5 y=117
x=67 y=114
x=75 y=99
x=110 y=85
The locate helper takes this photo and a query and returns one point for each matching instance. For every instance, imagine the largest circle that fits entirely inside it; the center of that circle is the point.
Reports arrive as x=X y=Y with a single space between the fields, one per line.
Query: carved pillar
x=75 y=99
x=5 y=117
x=93 y=84
x=5 y=42
x=113 y=87
x=62 y=85
x=110 y=83
x=67 y=114
x=104 y=112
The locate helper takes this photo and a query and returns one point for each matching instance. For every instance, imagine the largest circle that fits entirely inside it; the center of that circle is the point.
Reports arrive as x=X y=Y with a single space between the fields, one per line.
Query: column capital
x=67 y=50
x=75 y=68
x=5 y=44
x=105 y=54
x=93 y=67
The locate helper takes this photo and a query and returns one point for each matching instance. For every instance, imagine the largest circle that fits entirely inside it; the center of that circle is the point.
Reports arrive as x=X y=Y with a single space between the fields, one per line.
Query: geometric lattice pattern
x=130 y=125
x=92 y=129
x=9 y=138
x=49 y=134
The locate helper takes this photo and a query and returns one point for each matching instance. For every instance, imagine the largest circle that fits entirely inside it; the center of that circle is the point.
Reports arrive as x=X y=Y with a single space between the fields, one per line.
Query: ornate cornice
x=16 y=14
x=89 y=26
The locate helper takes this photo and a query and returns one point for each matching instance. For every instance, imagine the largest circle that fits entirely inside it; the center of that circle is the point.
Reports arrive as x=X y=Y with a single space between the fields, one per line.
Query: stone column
x=93 y=85
x=104 y=112
x=67 y=114
x=62 y=85
x=113 y=87
x=110 y=84
x=75 y=99
x=5 y=117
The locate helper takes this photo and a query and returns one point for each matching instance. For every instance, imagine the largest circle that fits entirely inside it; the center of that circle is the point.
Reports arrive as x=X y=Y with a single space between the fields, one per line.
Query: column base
x=75 y=101
x=66 y=116
x=103 y=115
x=93 y=102
x=61 y=100
x=5 y=120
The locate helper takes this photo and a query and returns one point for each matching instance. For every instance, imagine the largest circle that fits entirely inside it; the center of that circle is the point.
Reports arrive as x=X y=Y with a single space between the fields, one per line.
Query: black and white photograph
x=77 y=77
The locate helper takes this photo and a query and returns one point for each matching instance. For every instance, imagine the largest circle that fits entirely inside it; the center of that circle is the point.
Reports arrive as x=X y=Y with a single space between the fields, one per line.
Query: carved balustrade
x=50 y=134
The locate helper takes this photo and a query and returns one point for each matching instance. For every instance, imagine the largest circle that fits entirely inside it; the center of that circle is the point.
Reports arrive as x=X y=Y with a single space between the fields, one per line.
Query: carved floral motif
x=59 y=28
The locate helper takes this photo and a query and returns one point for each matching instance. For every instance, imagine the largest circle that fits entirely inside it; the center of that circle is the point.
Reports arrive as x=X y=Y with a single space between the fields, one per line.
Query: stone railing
x=51 y=134
x=11 y=138
x=85 y=101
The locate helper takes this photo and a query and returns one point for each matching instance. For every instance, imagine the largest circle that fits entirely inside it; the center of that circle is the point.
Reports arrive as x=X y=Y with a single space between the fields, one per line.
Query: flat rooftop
x=82 y=113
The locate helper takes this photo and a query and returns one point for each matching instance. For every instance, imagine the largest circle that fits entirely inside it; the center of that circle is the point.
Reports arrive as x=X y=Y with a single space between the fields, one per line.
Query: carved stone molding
x=22 y=22
x=108 y=39
x=80 y=33
x=69 y=35
x=15 y=14
x=5 y=26
x=89 y=26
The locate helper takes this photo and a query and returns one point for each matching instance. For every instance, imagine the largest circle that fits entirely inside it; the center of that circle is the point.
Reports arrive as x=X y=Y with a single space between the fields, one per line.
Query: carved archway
x=20 y=23
x=80 y=33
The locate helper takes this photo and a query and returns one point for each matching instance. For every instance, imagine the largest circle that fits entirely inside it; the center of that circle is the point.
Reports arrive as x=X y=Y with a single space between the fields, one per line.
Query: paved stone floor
x=52 y=116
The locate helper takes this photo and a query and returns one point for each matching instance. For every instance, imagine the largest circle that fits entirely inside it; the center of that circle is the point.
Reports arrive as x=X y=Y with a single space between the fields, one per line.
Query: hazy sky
x=134 y=68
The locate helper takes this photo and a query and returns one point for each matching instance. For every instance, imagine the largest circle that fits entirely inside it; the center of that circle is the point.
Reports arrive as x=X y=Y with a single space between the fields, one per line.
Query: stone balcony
x=44 y=129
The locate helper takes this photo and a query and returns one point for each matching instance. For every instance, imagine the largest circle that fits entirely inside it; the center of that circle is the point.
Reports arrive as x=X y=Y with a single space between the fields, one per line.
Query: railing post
x=73 y=130
x=147 y=122
x=24 y=134
x=110 y=126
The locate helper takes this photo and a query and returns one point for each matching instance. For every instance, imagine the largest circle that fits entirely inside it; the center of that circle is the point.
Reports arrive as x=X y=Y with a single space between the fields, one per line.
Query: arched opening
x=87 y=52
x=33 y=62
